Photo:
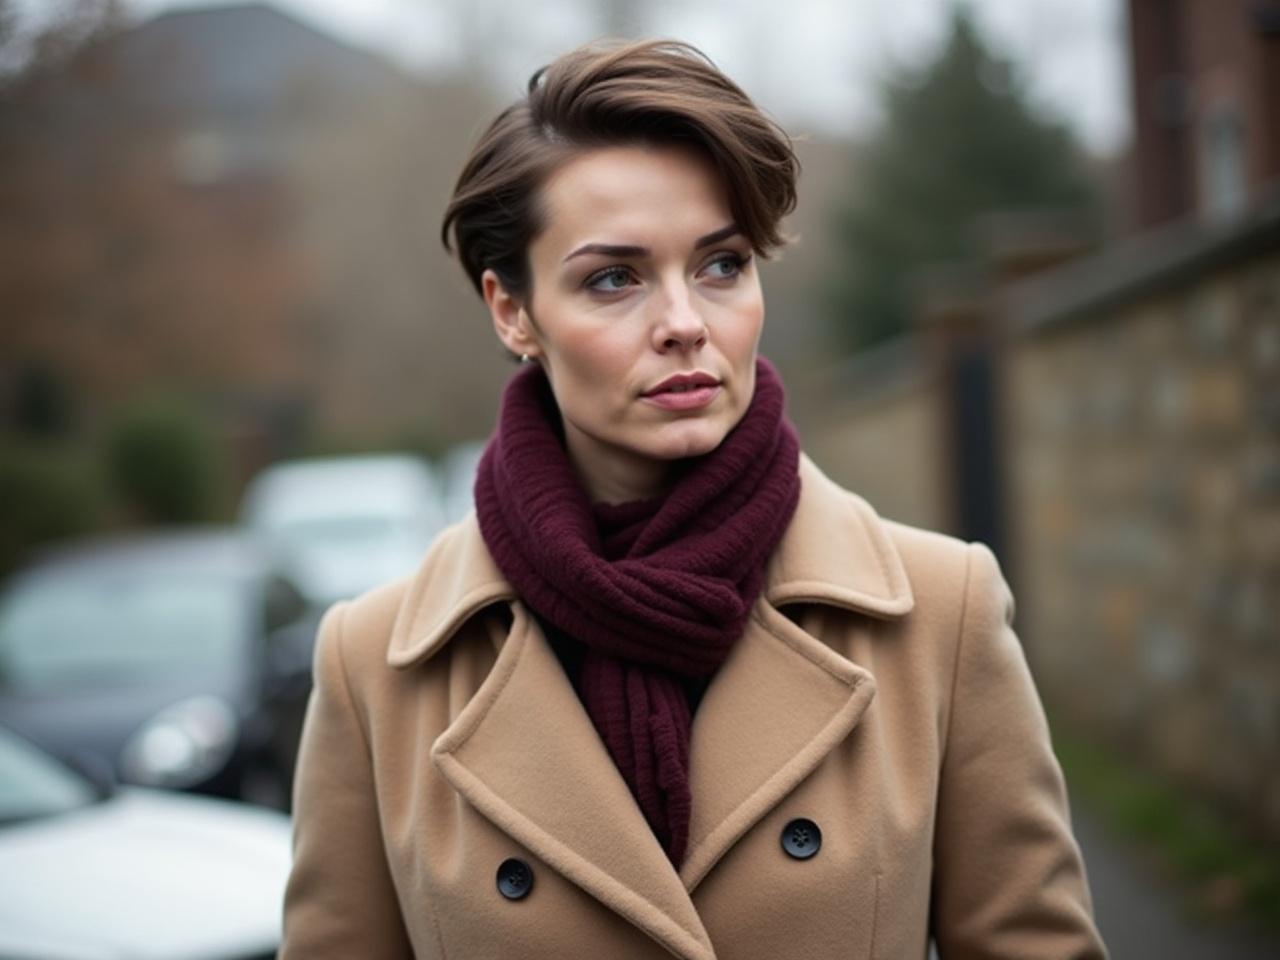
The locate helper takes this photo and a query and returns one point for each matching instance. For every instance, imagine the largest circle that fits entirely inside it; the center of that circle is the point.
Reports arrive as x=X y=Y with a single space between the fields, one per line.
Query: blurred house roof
x=239 y=62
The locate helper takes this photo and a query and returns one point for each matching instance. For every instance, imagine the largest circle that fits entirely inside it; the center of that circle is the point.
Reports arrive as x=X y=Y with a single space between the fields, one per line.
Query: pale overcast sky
x=812 y=63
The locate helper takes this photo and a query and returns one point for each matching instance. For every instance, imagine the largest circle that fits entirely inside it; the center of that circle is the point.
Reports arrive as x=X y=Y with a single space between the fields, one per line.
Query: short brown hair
x=605 y=93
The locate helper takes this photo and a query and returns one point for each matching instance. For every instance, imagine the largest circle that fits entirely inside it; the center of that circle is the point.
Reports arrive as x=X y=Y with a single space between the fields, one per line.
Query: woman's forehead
x=633 y=195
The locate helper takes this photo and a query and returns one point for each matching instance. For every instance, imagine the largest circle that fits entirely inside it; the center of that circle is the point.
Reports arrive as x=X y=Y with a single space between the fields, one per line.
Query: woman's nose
x=680 y=325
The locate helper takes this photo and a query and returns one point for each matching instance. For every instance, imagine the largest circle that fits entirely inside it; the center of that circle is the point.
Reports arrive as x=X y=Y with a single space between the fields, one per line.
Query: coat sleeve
x=340 y=901
x=1009 y=878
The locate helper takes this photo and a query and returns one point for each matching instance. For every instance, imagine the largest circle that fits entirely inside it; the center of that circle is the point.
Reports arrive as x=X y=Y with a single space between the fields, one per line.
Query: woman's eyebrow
x=615 y=250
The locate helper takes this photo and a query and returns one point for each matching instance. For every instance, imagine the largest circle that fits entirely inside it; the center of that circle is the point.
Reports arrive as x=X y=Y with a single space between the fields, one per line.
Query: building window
x=1223 y=186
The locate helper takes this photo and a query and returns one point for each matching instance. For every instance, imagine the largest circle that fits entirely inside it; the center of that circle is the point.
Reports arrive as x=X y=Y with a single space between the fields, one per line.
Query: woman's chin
x=689 y=438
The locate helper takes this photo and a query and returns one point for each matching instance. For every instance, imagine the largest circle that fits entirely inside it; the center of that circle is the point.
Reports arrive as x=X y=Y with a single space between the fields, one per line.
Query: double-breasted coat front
x=870 y=767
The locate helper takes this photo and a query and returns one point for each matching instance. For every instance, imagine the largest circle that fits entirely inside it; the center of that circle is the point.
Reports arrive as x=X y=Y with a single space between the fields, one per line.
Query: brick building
x=1206 y=97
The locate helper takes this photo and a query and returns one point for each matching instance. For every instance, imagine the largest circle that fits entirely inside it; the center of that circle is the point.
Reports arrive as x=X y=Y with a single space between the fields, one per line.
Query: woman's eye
x=616 y=277
x=732 y=261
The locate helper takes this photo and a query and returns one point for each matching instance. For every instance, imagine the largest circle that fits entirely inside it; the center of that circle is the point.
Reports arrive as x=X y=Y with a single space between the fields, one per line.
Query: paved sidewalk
x=1138 y=914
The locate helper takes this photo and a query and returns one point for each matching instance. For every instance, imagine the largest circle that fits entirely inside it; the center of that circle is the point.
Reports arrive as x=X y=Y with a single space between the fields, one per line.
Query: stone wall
x=1137 y=441
x=1142 y=430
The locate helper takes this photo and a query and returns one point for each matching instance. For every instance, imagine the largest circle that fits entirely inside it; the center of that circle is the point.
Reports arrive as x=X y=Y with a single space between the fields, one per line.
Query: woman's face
x=639 y=276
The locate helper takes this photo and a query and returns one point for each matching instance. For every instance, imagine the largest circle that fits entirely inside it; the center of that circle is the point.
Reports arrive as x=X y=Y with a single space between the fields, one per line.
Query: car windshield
x=33 y=785
x=111 y=627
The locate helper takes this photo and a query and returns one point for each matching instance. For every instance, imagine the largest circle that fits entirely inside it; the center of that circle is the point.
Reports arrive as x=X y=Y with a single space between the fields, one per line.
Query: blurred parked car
x=340 y=525
x=93 y=872
x=459 y=469
x=175 y=660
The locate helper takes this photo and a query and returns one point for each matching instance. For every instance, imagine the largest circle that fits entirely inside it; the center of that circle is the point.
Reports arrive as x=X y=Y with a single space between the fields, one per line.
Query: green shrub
x=44 y=495
x=1224 y=872
x=163 y=462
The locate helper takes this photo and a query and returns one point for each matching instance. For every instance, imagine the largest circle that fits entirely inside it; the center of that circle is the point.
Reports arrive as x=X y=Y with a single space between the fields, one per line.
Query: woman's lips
x=693 y=398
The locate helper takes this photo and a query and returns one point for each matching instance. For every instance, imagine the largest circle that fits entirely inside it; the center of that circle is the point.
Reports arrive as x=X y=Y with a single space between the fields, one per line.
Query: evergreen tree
x=959 y=139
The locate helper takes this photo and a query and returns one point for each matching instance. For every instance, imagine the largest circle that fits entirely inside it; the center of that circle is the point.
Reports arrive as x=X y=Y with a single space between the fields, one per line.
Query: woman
x=670 y=690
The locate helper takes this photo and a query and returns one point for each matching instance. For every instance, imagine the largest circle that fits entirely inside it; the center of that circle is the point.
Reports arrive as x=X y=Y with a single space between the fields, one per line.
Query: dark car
x=174 y=660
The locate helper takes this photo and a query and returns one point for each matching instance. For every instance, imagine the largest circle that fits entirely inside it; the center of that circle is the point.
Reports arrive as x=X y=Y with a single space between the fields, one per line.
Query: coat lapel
x=526 y=755
x=774 y=709
x=524 y=752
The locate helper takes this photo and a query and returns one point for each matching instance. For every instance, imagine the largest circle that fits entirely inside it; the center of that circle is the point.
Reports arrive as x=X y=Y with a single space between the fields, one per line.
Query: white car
x=459 y=468
x=90 y=872
x=339 y=525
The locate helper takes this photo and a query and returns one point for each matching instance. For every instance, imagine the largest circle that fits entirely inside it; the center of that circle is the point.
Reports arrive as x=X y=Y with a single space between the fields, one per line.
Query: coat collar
x=835 y=551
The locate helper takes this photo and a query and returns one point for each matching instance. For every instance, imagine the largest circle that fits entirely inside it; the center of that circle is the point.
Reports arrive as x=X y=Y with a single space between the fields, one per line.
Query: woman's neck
x=611 y=474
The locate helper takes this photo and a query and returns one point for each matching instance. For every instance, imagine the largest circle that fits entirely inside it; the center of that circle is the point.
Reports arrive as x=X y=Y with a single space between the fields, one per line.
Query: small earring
x=524 y=358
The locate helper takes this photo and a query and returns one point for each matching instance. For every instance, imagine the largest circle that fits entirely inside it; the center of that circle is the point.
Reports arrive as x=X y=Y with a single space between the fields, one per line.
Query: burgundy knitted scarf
x=655 y=590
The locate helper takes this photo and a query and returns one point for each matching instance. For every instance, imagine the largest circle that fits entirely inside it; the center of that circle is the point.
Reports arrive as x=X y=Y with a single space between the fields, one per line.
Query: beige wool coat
x=878 y=692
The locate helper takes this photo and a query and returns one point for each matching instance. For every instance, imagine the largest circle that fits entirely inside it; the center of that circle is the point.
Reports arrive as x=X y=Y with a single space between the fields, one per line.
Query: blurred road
x=1138 y=913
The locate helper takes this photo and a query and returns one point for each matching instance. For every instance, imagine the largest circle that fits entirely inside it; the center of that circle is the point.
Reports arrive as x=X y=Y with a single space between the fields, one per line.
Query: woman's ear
x=511 y=320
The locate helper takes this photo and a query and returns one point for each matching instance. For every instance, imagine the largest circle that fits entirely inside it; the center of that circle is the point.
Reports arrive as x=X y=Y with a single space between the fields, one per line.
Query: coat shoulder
x=934 y=559
x=366 y=624
x=939 y=566
x=927 y=554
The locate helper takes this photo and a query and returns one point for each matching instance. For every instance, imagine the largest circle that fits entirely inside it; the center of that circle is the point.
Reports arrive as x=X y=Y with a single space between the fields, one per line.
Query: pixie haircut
x=614 y=93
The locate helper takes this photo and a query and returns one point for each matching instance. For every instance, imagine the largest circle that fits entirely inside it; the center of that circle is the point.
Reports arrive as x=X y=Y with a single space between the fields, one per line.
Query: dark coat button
x=515 y=879
x=801 y=838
